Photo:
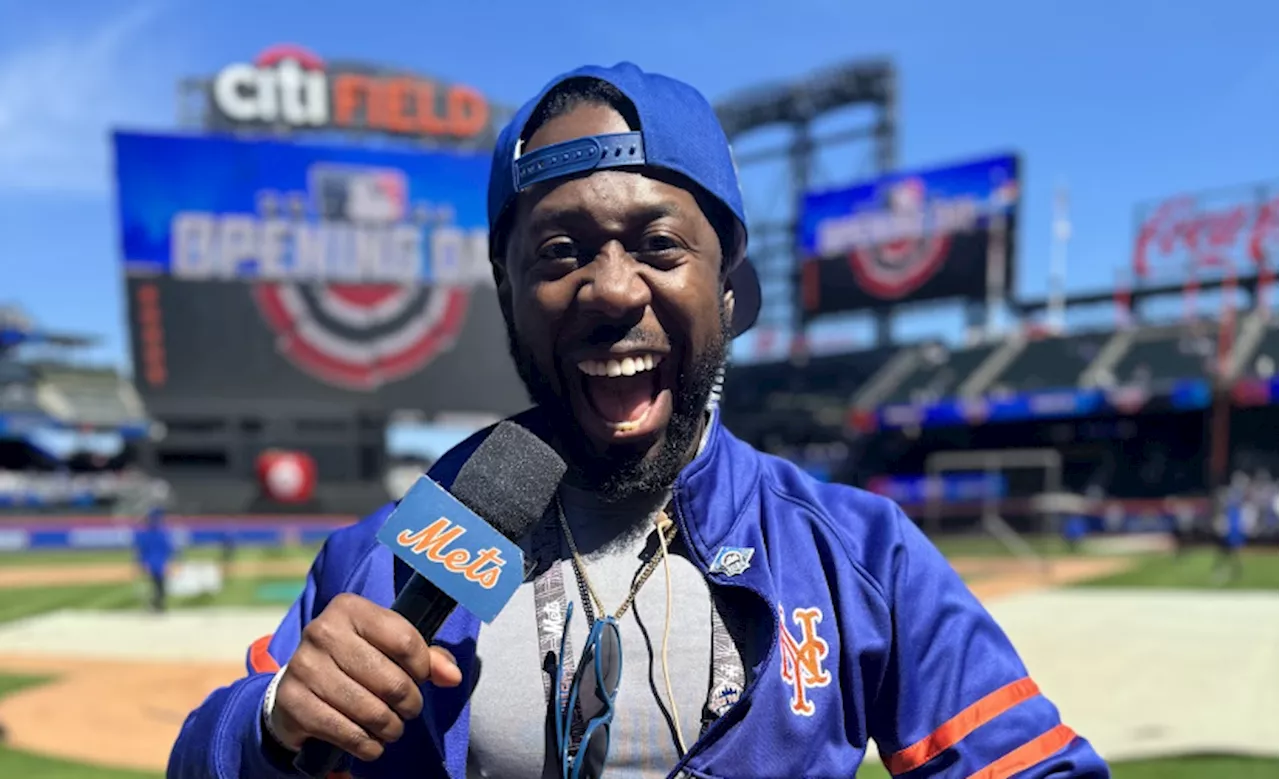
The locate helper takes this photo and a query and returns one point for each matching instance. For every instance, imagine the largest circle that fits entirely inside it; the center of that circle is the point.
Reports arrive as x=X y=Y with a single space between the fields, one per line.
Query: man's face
x=616 y=313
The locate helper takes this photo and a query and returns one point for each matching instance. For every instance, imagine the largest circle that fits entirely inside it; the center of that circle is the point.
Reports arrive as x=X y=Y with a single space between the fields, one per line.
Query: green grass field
x=1192 y=570
x=1195 y=570
x=985 y=545
x=28 y=766
x=20 y=602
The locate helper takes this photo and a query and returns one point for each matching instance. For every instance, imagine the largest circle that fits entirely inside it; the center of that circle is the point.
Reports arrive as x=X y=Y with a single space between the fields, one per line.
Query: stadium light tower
x=799 y=105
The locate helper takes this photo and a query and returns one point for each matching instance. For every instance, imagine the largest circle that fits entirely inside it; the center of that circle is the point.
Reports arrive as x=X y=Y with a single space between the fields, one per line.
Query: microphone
x=459 y=558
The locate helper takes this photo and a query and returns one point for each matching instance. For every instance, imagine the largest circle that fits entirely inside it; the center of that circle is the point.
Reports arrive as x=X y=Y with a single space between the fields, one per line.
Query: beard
x=623 y=473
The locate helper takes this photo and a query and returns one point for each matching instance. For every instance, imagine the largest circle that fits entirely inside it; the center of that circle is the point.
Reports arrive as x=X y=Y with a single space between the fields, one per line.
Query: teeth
x=627 y=366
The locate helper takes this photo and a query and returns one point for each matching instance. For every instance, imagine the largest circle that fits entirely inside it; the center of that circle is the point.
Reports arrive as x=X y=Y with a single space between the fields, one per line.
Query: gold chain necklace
x=666 y=527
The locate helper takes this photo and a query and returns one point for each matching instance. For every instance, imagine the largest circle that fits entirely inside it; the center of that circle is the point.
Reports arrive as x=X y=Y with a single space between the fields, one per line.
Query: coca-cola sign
x=1189 y=234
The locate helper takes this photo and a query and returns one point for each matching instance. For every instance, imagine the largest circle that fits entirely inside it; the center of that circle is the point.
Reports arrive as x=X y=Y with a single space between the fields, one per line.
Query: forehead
x=584 y=119
x=606 y=194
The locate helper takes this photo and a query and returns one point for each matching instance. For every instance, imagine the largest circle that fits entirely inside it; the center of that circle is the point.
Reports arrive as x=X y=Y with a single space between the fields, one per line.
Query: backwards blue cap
x=679 y=132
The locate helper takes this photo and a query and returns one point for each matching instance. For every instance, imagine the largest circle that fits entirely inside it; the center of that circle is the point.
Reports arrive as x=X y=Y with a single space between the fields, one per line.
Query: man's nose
x=616 y=288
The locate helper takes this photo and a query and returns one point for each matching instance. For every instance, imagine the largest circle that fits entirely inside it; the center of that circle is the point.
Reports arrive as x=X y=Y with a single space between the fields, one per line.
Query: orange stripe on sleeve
x=260 y=660
x=955 y=729
x=1027 y=755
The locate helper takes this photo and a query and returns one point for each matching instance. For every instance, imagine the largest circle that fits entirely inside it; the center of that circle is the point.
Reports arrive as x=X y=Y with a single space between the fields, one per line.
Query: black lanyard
x=728 y=675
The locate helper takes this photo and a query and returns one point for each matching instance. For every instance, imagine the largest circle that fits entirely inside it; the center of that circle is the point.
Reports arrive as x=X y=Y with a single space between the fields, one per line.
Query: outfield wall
x=19 y=534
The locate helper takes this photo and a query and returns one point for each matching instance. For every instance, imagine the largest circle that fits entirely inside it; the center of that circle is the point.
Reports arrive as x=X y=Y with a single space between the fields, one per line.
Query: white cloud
x=60 y=95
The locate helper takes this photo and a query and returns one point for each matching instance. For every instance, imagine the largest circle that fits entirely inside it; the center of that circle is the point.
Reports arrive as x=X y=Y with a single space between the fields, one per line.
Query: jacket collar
x=713 y=491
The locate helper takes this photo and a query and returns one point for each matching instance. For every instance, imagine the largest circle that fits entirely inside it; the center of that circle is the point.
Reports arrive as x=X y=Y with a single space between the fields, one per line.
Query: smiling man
x=615 y=291
x=696 y=608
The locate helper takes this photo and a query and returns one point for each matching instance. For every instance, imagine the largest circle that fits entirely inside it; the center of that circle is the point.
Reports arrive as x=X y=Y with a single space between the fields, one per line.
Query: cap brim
x=746 y=297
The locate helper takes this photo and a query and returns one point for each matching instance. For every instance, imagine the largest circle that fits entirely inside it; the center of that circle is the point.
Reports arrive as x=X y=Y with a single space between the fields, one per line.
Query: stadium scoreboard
x=262 y=270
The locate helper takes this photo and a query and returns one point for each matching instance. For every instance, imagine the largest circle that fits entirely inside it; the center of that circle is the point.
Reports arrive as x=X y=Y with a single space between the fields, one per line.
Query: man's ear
x=502 y=281
x=728 y=301
x=498 y=266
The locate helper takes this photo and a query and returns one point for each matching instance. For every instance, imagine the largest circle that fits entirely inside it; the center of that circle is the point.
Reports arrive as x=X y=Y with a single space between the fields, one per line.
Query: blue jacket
x=870 y=635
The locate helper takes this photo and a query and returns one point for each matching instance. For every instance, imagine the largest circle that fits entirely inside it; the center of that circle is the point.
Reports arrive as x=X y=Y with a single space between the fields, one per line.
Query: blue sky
x=1123 y=101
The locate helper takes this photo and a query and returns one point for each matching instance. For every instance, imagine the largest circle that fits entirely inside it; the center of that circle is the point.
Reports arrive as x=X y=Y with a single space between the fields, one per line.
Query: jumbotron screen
x=265 y=270
x=909 y=236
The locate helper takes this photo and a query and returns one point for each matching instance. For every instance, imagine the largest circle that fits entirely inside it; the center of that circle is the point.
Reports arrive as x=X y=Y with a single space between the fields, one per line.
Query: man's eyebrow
x=579 y=216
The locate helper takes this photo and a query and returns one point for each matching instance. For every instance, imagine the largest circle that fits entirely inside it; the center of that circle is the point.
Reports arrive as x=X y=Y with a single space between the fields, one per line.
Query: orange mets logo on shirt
x=802 y=658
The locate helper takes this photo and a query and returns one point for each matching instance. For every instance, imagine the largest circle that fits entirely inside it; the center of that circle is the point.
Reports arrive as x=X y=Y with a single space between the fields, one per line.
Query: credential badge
x=732 y=560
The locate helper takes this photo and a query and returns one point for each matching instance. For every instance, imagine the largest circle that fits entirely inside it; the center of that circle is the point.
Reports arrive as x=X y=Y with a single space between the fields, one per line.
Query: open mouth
x=626 y=395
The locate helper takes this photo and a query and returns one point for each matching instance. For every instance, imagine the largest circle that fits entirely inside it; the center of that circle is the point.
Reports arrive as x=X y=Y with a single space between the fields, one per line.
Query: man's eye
x=560 y=250
x=658 y=244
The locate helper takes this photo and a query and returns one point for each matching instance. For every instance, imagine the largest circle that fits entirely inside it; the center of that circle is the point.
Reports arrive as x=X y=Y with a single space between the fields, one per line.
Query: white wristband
x=269 y=706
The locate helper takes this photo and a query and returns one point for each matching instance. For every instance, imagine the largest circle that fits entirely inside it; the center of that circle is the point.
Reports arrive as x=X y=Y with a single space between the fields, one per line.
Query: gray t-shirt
x=509 y=707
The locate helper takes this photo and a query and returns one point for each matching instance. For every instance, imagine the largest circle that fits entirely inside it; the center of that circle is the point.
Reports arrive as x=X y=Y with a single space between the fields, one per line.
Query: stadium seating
x=17 y=389
x=786 y=402
x=938 y=374
x=1160 y=356
x=837 y=376
x=1262 y=363
x=46 y=396
x=88 y=397
x=1051 y=363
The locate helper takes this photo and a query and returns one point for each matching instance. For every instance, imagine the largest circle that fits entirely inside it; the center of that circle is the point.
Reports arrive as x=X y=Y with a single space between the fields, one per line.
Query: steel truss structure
x=798 y=107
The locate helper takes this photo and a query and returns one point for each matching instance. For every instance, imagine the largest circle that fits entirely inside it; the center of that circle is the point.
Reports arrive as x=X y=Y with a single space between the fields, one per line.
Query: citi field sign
x=288 y=86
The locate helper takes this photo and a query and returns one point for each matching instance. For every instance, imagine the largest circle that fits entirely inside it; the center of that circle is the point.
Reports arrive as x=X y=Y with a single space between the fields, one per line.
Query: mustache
x=626 y=336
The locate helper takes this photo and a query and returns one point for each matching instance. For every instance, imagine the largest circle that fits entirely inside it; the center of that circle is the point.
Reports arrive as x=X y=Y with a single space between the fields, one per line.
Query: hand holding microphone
x=355 y=679
x=356 y=675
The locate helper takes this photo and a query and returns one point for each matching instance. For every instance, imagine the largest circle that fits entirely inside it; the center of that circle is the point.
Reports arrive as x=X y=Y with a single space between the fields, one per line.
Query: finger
x=368 y=668
x=306 y=713
x=360 y=705
x=396 y=638
x=444 y=668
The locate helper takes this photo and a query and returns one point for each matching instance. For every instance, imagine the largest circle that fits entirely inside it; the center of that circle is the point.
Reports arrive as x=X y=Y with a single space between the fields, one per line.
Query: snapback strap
x=593 y=152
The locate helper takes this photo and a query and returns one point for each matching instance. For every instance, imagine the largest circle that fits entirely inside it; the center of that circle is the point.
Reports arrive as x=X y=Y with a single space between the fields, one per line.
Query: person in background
x=1074 y=530
x=154 y=549
x=227 y=553
x=1179 y=518
x=1235 y=516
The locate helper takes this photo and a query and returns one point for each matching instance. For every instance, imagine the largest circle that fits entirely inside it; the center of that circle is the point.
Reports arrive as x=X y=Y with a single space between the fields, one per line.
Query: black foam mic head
x=510 y=479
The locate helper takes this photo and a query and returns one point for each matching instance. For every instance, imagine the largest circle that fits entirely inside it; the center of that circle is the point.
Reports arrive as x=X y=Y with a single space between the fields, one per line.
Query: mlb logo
x=359 y=194
x=905 y=199
x=907 y=196
x=1005 y=195
x=361 y=334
